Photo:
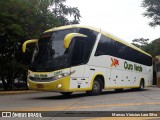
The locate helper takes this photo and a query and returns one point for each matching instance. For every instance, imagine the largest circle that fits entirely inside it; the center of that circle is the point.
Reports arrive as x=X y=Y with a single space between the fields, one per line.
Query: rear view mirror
x=69 y=37
x=28 y=42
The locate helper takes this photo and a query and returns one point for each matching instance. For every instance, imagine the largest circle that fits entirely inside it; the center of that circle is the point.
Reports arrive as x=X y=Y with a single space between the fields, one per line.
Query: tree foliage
x=152 y=11
x=61 y=10
x=25 y=19
x=140 y=43
x=152 y=48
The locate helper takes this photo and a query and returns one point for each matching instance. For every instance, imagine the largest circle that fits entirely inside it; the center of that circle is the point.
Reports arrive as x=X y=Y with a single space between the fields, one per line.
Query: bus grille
x=49 y=79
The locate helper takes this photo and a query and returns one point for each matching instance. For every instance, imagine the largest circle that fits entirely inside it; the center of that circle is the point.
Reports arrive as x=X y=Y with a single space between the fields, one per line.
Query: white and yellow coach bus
x=79 y=58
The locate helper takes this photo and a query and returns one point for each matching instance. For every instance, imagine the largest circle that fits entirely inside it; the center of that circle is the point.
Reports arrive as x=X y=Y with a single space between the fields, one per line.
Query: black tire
x=66 y=93
x=141 y=86
x=96 y=88
x=119 y=90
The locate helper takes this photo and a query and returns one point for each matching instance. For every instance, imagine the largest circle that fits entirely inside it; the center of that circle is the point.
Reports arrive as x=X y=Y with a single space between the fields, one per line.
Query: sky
x=122 y=18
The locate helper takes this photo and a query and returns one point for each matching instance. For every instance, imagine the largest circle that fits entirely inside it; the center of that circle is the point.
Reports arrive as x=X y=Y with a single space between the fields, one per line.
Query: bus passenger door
x=79 y=78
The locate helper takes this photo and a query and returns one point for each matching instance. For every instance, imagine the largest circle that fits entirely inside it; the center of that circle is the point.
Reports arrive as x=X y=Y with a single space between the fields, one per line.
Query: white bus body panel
x=115 y=76
x=79 y=77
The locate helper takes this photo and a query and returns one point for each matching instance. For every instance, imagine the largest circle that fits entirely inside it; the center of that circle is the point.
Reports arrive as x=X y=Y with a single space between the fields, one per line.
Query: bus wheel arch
x=102 y=80
x=141 y=84
x=97 y=85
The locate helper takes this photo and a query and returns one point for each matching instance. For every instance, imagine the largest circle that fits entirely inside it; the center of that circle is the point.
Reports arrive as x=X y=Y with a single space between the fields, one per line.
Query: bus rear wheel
x=66 y=93
x=141 y=86
x=96 y=88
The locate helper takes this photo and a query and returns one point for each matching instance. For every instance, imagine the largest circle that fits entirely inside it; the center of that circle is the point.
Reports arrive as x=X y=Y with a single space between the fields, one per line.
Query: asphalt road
x=128 y=100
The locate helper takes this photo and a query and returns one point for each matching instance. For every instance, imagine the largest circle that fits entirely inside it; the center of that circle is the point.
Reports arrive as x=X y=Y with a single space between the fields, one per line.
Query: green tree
x=21 y=20
x=62 y=11
x=152 y=11
x=140 y=43
x=153 y=48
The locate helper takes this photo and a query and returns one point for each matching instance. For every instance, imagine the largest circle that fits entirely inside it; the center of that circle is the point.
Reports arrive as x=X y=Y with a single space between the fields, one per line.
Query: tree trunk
x=5 y=87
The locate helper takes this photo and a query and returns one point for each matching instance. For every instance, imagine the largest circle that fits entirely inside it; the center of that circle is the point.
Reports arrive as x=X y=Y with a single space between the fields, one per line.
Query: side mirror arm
x=28 y=42
x=70 y=36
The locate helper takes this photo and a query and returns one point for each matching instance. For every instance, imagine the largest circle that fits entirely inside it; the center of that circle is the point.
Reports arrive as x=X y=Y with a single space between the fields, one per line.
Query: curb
x=155 y=86
x=17 y=92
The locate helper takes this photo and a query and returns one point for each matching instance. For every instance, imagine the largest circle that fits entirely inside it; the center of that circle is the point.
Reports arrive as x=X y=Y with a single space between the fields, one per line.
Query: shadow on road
x=80 y=95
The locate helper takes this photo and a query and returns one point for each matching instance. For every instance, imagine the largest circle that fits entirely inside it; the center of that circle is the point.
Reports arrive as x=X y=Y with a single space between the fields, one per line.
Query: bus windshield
x=49 y=53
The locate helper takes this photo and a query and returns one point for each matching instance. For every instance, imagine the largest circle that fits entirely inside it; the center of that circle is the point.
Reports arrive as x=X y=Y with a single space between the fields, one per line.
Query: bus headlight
x=59 y=85
x=49 y=79
x=63 y=75
x=60 y=76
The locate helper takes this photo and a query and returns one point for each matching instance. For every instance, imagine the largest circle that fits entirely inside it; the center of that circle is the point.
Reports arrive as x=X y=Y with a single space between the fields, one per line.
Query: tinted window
x=83 y=46
x=90 y=40
x=78 y=55
x=50 y=54
x=104 y=46
x=108 y=46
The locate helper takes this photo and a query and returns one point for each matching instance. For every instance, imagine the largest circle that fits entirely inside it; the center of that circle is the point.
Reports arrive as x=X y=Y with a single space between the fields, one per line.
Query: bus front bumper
x=61 y=85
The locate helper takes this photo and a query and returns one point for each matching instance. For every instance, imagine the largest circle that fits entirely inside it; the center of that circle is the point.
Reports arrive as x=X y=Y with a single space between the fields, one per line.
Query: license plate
x=40 y=86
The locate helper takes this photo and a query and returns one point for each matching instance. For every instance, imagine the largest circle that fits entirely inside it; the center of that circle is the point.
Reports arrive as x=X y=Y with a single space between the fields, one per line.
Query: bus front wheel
x=96 y=88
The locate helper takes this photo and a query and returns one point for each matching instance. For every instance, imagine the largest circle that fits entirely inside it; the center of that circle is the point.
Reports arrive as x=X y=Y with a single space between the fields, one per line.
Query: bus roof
x=97 y=30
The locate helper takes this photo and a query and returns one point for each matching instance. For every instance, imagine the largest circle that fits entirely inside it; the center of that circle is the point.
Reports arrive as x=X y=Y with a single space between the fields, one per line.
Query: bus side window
x=100 y=50
x=103 y=47
x=78 y=53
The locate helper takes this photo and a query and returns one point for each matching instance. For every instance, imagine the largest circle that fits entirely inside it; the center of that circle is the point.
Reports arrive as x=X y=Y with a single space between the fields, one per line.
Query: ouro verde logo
x=40 y=75
x=129 y=66
x=57 y=73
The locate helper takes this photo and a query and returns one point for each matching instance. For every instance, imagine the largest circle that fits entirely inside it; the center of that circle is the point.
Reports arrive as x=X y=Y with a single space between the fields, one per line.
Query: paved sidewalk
x=17 y=92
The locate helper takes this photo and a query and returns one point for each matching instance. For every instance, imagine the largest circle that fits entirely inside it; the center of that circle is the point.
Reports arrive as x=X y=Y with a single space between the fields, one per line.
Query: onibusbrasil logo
x=21 y=114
